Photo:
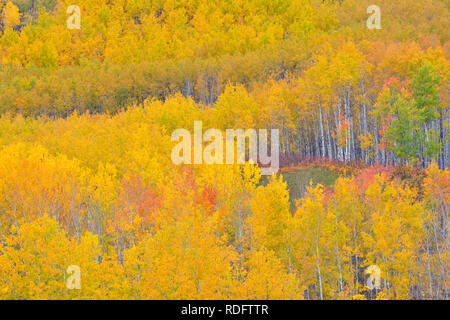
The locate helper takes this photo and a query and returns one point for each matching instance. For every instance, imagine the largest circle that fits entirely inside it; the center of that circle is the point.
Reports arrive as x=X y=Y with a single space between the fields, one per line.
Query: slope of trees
x=141 y=228
x=334 y=88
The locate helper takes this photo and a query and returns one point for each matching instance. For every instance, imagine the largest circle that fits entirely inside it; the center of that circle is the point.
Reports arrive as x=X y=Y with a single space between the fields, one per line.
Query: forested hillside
x=86 y=177
x=311 y=68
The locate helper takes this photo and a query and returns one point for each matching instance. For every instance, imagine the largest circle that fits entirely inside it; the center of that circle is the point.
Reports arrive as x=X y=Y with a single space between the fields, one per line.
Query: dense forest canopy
x=319 y=74
x=86 y=178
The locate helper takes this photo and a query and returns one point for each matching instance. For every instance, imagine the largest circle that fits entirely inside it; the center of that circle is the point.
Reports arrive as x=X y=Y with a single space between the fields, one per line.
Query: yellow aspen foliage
x=268 y=225
x=10 y=15
x=183 y=261
x=311 y=246
x=88 y=181
x=394 y=236
x=34 y=259
x=267 y=278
